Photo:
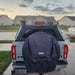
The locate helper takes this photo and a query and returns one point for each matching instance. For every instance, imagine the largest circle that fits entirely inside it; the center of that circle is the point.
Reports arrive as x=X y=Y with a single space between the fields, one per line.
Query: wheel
x=40 y=74
x=13 y=72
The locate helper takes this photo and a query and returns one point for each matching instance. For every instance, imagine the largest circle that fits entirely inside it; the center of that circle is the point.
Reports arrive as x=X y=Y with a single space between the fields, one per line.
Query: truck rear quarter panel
x=19 y=46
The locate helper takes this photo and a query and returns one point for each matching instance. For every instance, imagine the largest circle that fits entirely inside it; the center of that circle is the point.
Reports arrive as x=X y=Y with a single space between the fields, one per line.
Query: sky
x=56 y=8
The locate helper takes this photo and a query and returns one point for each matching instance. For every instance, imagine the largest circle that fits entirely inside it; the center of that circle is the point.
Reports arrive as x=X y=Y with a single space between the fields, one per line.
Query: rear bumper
x=61 y=64
x=21 y=66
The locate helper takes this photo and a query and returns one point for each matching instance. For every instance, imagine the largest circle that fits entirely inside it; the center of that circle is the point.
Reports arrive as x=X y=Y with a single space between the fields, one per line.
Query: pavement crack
x=64 y=72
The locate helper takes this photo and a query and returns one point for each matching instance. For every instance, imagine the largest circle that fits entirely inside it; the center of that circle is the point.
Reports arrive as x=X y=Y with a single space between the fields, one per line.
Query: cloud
x=41 y=8
x=2 y=9
x=51 y=7
x=64 y=12
x=6 y=10
x=58 y=9
x=29 y=1
x=52 y=4
x=71 y=7
x=22 y=5
x=26 y=3
x=56 y=1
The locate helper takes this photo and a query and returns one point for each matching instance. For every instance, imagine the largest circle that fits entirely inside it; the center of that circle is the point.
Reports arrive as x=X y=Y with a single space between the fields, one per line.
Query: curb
x=5 y=68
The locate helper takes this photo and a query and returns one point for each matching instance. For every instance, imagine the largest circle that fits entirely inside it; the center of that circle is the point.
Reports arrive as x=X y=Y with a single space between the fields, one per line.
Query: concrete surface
x=70 y=70
x=71 y=60
x=5 y=46
x=8 y=71
x=7 y=35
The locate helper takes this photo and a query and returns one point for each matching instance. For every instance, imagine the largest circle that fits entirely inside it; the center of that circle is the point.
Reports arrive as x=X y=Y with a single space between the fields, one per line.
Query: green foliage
x=5 y=59
x=6 y=41
x=64 y=27
x=13 y=27
x=72 y=40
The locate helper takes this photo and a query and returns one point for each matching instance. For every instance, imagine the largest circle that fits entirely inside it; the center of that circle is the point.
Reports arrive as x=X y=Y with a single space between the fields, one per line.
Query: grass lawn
x=64 y=27
x=6 y=41
x=5 y=59
x=72 y=40
x=9 y=27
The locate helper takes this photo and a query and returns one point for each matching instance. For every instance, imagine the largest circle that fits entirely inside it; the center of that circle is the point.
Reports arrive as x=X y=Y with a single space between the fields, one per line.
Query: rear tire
x=13 y=72
x=40 y=74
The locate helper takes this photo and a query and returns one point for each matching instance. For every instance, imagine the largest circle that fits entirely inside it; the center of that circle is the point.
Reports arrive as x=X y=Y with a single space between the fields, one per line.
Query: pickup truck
x=18 y=62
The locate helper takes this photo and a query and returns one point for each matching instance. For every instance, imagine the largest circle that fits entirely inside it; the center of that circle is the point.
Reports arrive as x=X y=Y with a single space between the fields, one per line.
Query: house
x=5 y=20
x=32 y=20
x=67 y=20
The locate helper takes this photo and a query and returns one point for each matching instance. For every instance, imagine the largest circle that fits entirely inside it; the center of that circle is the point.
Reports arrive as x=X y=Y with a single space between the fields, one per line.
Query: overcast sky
x=37 y=7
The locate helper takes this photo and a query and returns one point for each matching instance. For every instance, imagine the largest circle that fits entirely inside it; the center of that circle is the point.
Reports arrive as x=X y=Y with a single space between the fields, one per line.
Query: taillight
x=13 y=52
x=65 y=51
x=39 y=25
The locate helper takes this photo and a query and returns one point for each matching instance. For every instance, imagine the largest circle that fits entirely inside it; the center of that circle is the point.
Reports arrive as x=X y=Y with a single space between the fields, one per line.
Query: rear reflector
x=13 y=52
x=65 y=51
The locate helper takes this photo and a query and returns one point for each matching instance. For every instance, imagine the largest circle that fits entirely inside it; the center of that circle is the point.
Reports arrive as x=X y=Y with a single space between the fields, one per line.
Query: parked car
x=38 y=49
x=71 y=32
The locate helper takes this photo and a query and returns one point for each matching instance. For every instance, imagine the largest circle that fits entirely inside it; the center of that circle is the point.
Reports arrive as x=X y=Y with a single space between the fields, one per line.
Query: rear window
x=40 y=30
x=28 y=30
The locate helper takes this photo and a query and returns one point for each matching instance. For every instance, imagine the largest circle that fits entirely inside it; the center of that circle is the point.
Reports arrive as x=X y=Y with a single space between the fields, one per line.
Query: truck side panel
x=19 y=46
